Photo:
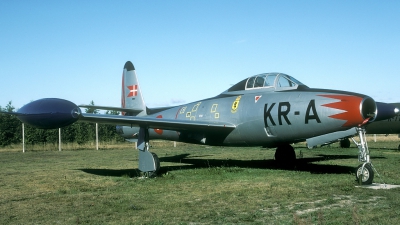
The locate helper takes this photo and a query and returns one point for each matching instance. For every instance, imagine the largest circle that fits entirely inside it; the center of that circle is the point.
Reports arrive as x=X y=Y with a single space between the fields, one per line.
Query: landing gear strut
x=365 y=171
x=149 y=163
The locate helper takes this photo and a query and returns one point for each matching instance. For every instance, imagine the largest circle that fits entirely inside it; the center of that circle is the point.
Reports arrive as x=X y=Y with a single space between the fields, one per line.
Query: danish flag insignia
x=132 y=90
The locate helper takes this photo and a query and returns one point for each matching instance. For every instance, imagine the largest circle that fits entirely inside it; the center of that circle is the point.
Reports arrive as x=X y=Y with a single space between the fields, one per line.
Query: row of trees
x=81 y=132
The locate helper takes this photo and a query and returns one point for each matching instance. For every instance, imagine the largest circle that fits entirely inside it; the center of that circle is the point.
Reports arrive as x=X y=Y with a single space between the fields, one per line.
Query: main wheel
x=345 y=143
x=366 y=175
x=285 y=156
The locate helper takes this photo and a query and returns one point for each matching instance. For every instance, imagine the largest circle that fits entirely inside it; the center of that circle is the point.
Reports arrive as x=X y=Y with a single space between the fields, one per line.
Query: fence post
x=23 y=137
x=59 y=139
x=97 y=136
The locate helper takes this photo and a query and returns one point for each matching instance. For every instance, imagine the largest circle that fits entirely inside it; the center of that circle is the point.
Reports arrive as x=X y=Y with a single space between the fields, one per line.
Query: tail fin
x=131 y=95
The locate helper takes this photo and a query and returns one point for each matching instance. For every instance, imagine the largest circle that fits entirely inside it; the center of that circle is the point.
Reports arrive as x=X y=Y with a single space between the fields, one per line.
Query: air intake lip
x=368 y=108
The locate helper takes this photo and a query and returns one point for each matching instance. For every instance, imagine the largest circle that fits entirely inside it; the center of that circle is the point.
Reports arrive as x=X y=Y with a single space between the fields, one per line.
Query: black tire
x=368 y=174
x=157 y=162
x=285 y=156
x=345 y=143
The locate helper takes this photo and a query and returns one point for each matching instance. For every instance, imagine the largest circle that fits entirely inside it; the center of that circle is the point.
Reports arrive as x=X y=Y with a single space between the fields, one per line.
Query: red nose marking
x=351 y=107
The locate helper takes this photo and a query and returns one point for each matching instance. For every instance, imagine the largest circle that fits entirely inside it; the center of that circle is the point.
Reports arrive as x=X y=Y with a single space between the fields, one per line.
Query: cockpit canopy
x=267 y=81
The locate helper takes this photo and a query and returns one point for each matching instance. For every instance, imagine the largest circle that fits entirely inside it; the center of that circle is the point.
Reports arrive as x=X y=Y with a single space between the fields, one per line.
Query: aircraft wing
x=159 y=123
x=54 y=113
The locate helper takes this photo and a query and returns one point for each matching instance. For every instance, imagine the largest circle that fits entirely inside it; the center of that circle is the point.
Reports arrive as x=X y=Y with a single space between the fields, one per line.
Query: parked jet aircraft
x=388 y=126
x=270 y=109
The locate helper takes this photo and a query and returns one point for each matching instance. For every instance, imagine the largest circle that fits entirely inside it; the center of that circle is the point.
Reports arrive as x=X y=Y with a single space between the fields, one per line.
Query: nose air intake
x=377 y=111
x=368 y=109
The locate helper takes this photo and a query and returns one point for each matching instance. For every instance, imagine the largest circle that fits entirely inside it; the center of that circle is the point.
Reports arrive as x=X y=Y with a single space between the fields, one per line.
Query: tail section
x=131 y=95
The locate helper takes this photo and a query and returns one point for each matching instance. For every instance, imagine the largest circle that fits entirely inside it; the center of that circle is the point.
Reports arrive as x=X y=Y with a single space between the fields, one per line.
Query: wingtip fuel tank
x=49 y=113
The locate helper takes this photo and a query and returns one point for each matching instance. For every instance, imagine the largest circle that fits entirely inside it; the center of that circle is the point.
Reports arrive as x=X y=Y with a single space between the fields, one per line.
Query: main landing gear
x=365 y=171
x=344 y=143
x=285 y=157
x=149 y=163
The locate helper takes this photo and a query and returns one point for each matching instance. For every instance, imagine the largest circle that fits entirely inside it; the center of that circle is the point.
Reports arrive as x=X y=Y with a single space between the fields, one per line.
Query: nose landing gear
x=365 y=172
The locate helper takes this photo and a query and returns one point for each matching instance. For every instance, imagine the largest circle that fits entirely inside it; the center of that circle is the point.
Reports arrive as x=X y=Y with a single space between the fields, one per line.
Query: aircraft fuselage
x=266 y=118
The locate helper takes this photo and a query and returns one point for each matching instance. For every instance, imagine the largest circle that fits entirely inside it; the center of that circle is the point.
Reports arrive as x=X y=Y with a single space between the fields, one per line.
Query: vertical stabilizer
x=131 y=95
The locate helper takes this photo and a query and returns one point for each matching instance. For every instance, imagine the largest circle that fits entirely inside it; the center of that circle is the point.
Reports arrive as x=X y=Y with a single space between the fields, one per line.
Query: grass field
x=197 y=185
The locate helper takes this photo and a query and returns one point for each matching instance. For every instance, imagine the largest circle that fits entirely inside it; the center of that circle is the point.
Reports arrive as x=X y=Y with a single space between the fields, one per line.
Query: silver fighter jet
x=269 y=109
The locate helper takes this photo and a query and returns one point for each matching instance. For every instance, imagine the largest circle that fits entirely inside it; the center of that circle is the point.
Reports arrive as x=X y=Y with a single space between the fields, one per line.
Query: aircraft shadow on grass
x=396 y=149
x=303 y=164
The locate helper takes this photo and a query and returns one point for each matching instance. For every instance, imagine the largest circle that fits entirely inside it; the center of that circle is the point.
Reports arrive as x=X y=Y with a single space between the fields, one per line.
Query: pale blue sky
x=184 y=51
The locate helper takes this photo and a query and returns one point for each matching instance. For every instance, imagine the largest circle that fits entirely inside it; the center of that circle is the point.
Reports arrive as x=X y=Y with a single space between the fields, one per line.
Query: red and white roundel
x=159 y=131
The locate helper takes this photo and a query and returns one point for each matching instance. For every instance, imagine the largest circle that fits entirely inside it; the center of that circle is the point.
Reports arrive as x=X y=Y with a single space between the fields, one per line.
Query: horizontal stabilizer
x=331 y=137
x=133 y=112
x=119 y=109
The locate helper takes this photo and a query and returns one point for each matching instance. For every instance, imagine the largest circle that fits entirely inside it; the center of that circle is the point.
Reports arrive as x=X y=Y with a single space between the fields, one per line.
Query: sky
x=184 y=51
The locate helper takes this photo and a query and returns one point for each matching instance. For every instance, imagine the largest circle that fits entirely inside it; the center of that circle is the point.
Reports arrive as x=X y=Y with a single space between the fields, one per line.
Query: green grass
x=197 y=185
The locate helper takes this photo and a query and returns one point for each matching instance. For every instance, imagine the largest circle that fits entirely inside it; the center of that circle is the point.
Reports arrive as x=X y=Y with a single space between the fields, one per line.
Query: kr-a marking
x=283 y=109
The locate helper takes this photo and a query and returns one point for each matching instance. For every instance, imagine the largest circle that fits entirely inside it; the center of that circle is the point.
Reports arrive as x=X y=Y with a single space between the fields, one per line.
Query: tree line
x=80 y=132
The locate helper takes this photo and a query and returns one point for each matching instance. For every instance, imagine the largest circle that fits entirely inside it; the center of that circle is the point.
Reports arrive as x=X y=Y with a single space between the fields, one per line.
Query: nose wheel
x=365 y=174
